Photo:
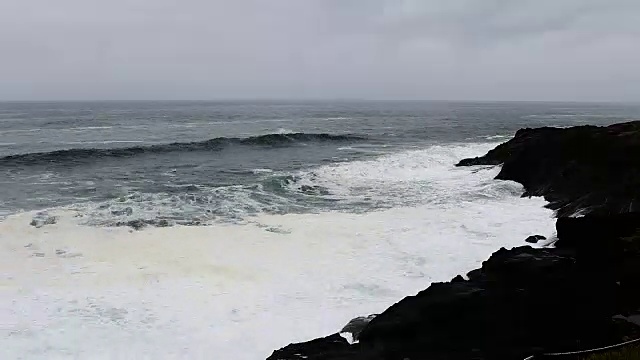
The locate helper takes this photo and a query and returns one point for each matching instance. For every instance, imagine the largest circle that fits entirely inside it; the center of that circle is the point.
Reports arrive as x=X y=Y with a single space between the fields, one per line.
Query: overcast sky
x=366 y=49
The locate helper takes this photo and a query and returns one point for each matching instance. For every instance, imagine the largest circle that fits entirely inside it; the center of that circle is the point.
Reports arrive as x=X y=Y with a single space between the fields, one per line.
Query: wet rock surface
x=587 y=169
x=533 y=239
x=520 y=302
x=580 y=294
x=355 y=326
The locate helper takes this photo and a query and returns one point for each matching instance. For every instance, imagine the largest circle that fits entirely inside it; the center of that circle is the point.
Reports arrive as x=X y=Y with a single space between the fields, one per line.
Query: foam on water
x=238 y=292
x=412 y=177
x=497 y=137
x=408 y=178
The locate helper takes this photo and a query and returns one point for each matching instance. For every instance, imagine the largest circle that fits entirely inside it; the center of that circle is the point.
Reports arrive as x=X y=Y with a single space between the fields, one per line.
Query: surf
x=76 y=155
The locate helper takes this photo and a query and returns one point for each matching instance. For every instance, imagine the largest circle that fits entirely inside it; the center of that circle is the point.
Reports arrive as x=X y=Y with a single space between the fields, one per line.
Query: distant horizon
x=301 y=100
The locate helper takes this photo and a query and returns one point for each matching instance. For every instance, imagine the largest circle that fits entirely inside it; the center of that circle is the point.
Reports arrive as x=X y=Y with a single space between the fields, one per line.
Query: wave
x=415 y=177
x=216 y=144
x=407 y=178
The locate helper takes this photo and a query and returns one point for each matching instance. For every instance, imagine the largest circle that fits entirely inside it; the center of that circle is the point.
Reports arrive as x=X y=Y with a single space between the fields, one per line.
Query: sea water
x=225 y=230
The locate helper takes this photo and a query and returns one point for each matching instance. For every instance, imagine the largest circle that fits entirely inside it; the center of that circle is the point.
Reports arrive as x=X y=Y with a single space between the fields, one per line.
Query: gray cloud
x=402 y=49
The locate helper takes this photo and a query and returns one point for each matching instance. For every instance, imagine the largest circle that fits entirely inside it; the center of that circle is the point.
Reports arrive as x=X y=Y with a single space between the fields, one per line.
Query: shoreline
x=251 y=286
x=525 y=301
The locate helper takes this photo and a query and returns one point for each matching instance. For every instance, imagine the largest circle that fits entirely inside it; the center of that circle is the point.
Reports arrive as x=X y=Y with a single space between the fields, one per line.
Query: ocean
x=226 y=230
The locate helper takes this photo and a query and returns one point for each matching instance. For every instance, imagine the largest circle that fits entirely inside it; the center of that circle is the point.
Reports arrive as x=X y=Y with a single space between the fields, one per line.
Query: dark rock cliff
x=523 y=301
x=584 y=168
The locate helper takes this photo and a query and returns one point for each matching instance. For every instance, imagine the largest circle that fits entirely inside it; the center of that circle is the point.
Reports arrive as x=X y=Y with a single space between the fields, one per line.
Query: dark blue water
x=192 y=162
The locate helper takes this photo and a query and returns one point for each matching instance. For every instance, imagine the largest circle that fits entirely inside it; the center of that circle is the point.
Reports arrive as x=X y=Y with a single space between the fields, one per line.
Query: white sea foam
x=262 y=171
x=497 y=137
x=18 y=131
x=412 y=177
x=84 y=128
x=240 y=291
x=283 y=131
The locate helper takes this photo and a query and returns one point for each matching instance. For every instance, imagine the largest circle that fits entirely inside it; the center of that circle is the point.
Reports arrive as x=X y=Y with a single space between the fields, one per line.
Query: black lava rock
x=355 y=326
x=580 y=294
x=534 y=239
x=586 y=169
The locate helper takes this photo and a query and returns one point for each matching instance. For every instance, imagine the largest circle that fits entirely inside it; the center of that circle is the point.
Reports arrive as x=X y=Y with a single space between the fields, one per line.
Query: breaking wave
x=216 y=144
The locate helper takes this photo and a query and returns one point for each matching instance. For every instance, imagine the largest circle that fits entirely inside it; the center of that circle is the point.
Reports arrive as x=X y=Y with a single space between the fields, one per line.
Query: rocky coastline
x=581 y=292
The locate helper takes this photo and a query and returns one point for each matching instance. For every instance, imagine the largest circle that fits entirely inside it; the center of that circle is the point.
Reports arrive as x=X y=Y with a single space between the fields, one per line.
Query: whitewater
x=240 y=290
x=227 y=230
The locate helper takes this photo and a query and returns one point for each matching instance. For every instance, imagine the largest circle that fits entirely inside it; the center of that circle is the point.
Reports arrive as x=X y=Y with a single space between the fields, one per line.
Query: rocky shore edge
x=582 y=292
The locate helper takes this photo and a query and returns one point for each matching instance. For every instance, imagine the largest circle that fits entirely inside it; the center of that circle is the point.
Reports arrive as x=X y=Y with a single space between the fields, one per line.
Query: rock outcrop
x=580 y=294
x=521 y=302
x=533 y=239
x=585 y=168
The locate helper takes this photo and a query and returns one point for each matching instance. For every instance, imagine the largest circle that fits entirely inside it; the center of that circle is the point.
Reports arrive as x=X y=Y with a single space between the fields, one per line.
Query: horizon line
x=319 y=100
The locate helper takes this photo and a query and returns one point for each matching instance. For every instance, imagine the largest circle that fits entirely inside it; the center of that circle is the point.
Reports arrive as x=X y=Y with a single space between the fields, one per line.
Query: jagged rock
x=584 y=168
x=527 y=301
x=610 y=247
x=330 y=347
x=520 y=302
x=596 y=232
x=504 y=313
x=355 y=326
x=533 y=239
x=474 y=274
